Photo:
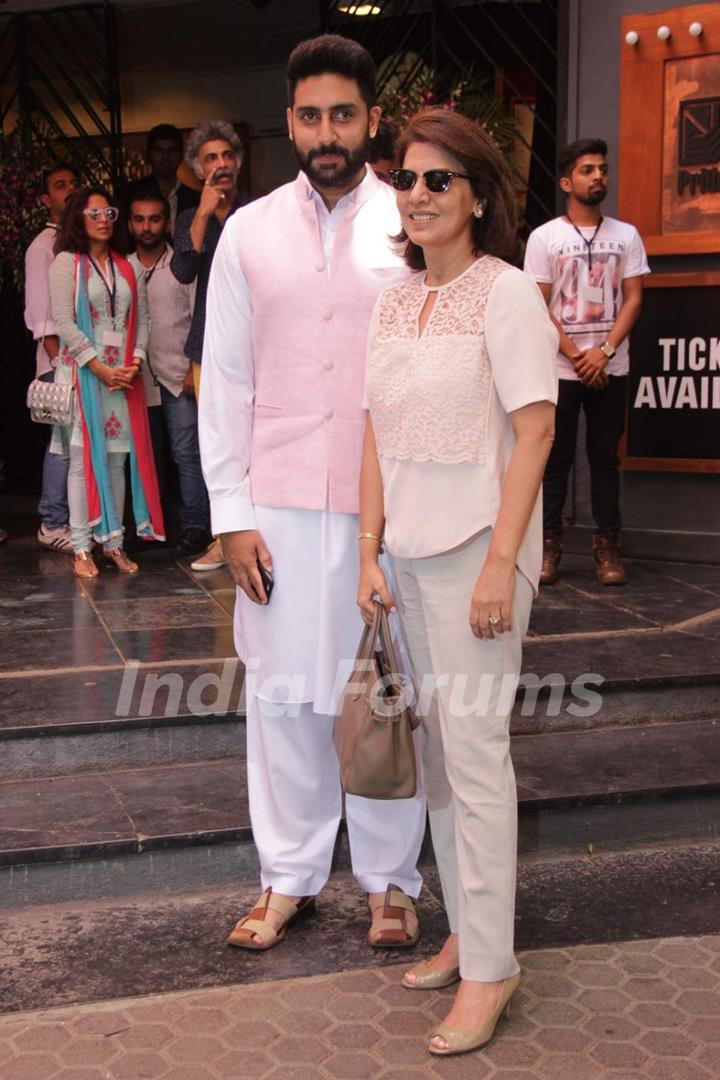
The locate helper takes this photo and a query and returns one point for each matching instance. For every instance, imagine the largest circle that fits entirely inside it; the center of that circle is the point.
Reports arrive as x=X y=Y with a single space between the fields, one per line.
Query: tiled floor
x=647 y=1009
x=50 y=623
x=642 y=1009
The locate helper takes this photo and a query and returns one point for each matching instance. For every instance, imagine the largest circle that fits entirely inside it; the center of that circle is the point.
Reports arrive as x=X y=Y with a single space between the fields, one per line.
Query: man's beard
x=593 y=198
x=334 y=176
x=149 y=243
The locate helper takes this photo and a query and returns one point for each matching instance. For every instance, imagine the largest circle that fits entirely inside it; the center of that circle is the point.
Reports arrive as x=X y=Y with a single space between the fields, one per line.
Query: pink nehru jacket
x=309 y=339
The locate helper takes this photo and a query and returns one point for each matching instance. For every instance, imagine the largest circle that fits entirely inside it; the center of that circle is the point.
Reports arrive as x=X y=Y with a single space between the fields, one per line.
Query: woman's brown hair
x=72 y=235
x=467 y=143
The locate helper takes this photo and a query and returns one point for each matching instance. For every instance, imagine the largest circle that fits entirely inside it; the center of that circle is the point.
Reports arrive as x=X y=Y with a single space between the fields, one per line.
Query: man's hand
x=243 y=550
x=51 y=344
x=212 y=196
x=591 y=368
x=189 y=383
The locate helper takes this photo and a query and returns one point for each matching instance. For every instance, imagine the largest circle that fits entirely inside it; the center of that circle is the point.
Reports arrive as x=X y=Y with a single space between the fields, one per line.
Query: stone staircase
x=110 y=813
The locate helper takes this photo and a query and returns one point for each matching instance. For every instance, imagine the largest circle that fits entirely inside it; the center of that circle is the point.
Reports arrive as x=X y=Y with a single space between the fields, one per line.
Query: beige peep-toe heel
x=427 y=978
x=462 y=1042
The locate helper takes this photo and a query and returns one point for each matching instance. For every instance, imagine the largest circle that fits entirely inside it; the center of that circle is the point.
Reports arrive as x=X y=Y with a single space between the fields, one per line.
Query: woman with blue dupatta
x=101 y=315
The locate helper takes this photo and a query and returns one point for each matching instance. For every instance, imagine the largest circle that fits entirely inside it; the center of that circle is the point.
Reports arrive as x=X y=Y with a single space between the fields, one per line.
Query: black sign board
x=674 y=385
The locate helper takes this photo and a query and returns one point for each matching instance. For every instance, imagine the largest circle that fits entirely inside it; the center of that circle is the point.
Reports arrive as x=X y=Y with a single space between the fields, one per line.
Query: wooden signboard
x=670 y=128
x=673 y=422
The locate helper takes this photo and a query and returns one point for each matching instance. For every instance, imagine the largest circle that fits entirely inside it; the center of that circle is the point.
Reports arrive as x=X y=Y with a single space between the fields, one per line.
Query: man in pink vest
x=293 y=285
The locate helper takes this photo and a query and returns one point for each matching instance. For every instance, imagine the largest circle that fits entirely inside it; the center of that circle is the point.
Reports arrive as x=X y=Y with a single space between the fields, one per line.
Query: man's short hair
x=48 y=171
x=166 y=133
x=332 y=54
x=574 y=150
x=150 y=194
x=382 y=146
x=208 y=131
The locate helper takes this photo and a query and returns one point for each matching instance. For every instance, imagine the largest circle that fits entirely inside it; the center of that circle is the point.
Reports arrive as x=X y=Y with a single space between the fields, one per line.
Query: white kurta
x=303 y=641
x=299 y=648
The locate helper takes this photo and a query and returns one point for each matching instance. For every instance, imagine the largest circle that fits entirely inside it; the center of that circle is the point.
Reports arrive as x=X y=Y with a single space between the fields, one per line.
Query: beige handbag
x=374 y=726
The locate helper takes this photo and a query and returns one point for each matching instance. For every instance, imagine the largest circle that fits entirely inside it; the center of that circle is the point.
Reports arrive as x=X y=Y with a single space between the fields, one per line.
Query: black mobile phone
x=267 y=579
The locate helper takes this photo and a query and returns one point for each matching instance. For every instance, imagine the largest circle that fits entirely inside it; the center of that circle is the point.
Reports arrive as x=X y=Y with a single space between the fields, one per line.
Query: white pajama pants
x=296 y=648
x=296 y=805
x=469 y=778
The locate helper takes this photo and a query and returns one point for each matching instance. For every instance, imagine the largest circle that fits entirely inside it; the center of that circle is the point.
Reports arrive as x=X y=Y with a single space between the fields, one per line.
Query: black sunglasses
x=436 y=180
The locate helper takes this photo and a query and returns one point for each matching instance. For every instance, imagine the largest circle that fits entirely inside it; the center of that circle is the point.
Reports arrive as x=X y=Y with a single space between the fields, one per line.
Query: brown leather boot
x=552 y=553
x=606 y=549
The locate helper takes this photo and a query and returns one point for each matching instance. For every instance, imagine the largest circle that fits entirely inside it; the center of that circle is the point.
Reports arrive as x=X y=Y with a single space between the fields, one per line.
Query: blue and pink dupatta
x=102 y=513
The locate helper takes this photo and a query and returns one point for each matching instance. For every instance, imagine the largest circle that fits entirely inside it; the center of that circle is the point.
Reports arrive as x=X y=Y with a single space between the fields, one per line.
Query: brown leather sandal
x=391 y=932
x=84 y=565
x=120 y=561
x=255 y=925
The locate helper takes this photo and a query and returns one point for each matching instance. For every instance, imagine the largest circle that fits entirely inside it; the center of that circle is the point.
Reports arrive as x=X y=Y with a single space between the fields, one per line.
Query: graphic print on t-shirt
x=586 y=278
x=588 y=290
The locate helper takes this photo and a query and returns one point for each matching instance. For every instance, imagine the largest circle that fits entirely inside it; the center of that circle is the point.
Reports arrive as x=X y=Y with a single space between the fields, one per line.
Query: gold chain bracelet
x=371 y=536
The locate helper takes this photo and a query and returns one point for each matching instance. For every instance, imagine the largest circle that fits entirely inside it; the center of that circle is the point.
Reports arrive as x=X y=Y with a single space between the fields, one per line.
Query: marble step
x=100 y=832
x=151 y=715
x=57 y=952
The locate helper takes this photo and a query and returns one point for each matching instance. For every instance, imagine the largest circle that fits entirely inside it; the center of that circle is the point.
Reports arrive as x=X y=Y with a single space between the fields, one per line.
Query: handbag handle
x=378 y=629
x=369 y=635
x=378 y=632
x=386 y=642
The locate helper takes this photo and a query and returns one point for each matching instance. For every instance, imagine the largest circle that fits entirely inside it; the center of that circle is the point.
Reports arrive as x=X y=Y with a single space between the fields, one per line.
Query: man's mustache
x=222 y=174
x=332 y=148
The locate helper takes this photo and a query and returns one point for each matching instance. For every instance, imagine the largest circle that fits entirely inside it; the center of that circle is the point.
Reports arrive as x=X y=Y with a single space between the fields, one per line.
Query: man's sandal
x=391 y=931
x=255 y=926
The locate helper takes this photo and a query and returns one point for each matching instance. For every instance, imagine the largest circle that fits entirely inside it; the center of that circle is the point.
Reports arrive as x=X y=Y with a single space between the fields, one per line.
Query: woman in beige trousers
x=461 y=389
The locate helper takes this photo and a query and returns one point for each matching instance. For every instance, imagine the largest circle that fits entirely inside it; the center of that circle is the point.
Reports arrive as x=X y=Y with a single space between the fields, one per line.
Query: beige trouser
x=469 y=778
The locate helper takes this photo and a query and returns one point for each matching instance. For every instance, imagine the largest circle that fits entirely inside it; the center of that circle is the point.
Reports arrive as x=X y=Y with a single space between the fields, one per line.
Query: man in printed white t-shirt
x=590 y=270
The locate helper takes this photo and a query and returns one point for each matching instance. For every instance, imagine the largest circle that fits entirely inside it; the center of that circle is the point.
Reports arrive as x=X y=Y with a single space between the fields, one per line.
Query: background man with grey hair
x=214 y=152
x=165 y=151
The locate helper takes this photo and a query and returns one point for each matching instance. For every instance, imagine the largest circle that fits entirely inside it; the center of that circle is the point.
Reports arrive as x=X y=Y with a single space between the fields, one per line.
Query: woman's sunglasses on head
x=95 y=213
x=436 y=180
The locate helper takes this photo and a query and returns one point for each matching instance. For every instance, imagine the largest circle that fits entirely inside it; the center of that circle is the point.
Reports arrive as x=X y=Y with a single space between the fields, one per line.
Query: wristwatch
x=607 y=350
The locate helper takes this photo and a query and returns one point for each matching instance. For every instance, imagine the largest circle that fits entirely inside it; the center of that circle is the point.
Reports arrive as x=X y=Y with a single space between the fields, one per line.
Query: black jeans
x=605 y=421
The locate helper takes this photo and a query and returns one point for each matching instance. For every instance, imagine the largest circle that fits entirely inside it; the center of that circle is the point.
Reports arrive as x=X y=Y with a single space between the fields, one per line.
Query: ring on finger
x=495 y=620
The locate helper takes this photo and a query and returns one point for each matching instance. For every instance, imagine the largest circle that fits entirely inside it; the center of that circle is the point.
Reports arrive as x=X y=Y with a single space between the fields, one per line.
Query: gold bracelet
x=372 y=536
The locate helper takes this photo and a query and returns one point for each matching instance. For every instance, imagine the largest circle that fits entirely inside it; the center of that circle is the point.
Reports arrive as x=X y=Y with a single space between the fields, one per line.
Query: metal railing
x=59 y=81
x=515 y=43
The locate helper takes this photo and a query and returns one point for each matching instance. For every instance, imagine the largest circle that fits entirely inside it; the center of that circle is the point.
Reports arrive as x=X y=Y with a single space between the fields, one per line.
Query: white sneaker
x=57 y=539
x=212 y=559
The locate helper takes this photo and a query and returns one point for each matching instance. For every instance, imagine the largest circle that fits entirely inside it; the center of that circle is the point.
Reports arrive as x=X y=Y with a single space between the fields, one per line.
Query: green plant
x=466 y=92
x=21 y=214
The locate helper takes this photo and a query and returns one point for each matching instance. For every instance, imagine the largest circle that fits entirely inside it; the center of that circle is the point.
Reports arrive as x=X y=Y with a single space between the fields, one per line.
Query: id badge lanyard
x=110 y=288
x=588 y=243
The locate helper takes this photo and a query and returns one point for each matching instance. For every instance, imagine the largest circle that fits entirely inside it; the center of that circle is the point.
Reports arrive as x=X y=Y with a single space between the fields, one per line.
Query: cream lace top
x=439 y=403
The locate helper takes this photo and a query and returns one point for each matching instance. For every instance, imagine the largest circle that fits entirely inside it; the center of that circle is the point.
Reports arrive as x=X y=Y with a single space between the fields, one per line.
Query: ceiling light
x=360 y=9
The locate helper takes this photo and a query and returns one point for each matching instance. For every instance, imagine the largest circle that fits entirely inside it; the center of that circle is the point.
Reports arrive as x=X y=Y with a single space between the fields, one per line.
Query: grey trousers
x=80 y=529
x=468 y=773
